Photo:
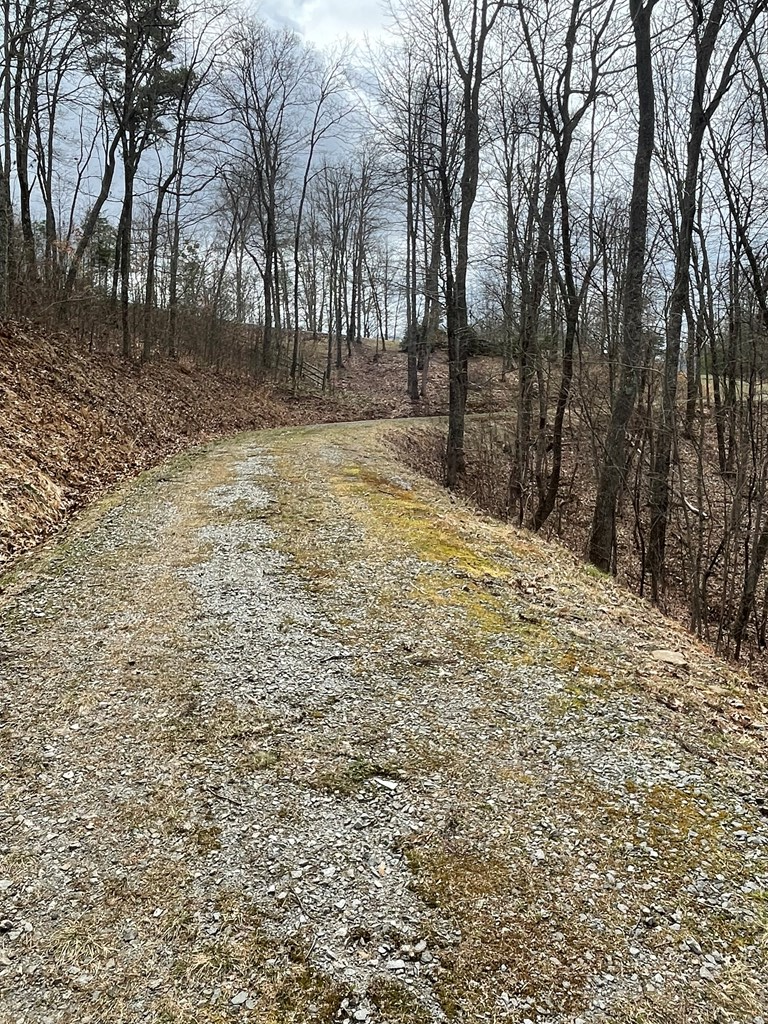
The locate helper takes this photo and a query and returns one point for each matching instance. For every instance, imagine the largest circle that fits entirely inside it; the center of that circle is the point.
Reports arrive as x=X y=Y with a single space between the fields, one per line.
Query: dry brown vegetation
x=73 y=421
x=379 y=378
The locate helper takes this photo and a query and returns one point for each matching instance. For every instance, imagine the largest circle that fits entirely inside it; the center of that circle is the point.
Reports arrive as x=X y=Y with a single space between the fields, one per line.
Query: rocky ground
x=286 y=735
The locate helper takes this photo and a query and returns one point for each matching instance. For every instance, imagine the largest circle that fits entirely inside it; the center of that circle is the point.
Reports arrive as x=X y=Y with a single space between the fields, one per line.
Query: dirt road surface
x=288 y=736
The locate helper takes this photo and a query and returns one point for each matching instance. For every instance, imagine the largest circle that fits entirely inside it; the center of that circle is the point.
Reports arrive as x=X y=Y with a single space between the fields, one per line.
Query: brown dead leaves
x=73 y=423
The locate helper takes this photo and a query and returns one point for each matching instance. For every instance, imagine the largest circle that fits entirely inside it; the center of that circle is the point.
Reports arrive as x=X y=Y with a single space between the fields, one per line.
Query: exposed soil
x=287 y=735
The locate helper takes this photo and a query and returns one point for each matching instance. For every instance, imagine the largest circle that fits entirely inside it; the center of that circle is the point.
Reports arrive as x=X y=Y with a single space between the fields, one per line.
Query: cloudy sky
x=325 y=22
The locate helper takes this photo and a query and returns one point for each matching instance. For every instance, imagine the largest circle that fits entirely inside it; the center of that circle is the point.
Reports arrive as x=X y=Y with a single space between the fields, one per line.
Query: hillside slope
x=289 y=736
x=73 y=423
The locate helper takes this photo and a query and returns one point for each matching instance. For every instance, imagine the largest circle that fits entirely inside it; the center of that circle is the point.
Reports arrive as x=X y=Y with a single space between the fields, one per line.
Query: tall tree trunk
x=150 y=296
x=412 y=340
x=125 y=264
x=431 y=319
x=603 y=531
x=471 y=69
x=173 y=279
x=660 y=470
x=23 y=113
x=528 y=345
x=266 y=341
x=92 y=219
x=6 y=210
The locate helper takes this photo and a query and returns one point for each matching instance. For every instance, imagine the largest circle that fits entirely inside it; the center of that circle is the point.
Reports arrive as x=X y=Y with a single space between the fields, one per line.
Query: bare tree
x=468 y=27
x=328 y=113
x=602 y=536
x=266 y=93
x=705 y=100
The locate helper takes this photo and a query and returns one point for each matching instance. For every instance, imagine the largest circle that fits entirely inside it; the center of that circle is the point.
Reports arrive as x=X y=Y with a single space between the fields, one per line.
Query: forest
x=576 y=188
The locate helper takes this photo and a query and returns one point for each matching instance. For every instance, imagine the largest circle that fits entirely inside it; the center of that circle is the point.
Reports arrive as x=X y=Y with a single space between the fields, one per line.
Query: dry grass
x=396 y=1004
x=521 y=934
x=530 y=932
x=282 y=988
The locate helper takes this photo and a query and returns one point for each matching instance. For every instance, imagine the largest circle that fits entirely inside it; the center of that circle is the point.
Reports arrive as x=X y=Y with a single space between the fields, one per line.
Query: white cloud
x=325 y=22
x=285 y=13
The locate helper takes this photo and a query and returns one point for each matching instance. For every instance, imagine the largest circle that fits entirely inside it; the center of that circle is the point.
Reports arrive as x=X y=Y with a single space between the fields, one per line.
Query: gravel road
x=286 y=735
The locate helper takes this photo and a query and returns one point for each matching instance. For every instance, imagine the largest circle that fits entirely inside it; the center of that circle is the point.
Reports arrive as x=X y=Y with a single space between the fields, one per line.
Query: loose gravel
x=286 y=735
